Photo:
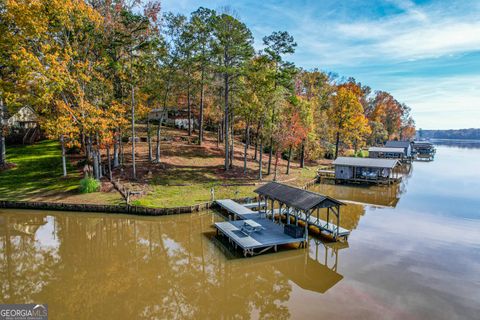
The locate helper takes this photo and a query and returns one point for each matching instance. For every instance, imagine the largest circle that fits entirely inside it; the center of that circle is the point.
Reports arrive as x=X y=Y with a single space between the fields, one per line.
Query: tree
x=345 y=113
x=233 y=46
x=202 y=22
x=277 y=44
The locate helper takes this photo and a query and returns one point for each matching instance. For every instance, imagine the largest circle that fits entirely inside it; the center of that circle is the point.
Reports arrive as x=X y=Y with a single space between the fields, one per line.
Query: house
x=386 y=153
x=406 y=145
x=173 y=117
x=23 y=127
x=24 y=118
x=369 y=170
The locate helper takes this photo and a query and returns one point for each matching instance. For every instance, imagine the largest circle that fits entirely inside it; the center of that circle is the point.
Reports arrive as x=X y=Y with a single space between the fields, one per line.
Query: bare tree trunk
x=109 y=164
x=200 y=122
x=189 y=108
x=122 y=152
x=157 y=154
x=270 y=154
x=302 y=155
x=232 y=141
x=218 y=135
x=100 y=171
x=276 y=166
x=64 y=157
x=260 y=174
x=149 y=140
x=3 y=157
x=95 y=165
x=227 y=146
x=247 y=142
x=115 y=153
x=256 y=141
x=289 y=159
x=134 y=171
x=337 y=142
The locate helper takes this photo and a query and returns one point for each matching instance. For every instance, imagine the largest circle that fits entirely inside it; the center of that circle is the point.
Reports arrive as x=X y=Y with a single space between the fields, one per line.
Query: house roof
x=365 y=162
x=296 y=197
x=397 y=144
x=385 y=149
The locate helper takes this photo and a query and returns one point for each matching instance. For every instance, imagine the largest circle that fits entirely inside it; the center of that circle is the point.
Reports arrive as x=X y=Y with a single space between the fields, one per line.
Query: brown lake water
x=414 y=253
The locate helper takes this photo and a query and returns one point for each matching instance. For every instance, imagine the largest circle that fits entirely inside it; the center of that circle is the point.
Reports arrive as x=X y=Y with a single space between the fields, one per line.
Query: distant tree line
x=92 y=69
x=467 y=134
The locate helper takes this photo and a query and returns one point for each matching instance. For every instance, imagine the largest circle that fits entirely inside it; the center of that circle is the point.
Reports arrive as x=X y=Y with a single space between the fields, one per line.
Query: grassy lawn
x=163 y=195
x=37 y=176
x=185 y=176
x=38 y=171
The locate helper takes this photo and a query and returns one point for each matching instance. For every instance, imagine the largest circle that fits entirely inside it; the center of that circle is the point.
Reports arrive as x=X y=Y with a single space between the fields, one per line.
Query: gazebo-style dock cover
x=302 y=204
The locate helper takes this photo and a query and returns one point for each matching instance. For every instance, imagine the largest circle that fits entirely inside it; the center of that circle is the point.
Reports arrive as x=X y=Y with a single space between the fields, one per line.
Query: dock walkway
x=238 y=210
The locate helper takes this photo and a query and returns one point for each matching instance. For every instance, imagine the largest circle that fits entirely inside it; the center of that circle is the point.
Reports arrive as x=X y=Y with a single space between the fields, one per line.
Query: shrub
x=89 y=185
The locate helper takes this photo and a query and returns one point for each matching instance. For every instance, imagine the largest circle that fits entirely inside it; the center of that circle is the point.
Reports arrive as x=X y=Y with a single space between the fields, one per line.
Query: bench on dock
x=250 y=226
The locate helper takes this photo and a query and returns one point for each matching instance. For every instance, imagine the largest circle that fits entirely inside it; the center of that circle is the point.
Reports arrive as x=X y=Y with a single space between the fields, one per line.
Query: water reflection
x=164 y=268
x=464 y=144
x=414 y=254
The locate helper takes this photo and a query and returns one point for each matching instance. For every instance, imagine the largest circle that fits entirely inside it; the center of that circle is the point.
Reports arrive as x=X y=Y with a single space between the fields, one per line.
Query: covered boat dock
x=386 y=153
x=366 y=170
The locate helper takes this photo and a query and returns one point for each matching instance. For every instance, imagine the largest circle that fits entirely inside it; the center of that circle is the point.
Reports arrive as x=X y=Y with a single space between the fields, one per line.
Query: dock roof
x=296 y=197
x=385 y=149
x=365 y=162
x=397 y=144
x=422 y=144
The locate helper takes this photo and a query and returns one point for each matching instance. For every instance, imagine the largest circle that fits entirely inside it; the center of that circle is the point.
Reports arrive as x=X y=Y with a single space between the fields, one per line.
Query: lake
x=414 y=253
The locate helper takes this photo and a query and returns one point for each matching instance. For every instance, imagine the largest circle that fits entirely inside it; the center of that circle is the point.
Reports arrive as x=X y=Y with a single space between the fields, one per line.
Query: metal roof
x=386 y=149
x=397 y=144
x=365 y=162
x=296 y=197
x=422 y=144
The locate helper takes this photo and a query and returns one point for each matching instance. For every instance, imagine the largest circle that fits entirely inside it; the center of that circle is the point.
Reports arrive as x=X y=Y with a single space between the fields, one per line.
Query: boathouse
x=386 y=153
x=423 y=150
x=366 y=170
x=405 y=145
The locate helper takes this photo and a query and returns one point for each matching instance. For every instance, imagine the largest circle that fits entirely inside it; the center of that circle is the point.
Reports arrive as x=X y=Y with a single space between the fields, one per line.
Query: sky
x=425 y=53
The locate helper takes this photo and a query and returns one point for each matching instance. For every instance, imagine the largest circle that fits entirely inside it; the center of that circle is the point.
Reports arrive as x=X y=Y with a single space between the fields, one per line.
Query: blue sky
x=426 y=53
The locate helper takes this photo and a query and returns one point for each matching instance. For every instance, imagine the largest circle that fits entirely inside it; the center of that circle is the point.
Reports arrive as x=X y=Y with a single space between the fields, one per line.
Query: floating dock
x=254 y=233
x=271 y=236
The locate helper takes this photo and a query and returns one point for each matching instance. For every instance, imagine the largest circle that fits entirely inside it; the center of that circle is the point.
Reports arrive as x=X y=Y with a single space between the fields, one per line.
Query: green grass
x=179 y=196
x=38 y=171
x=186 y=194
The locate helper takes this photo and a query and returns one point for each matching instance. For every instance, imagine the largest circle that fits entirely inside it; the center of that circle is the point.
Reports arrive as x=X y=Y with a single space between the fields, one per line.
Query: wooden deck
x=270 y=237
